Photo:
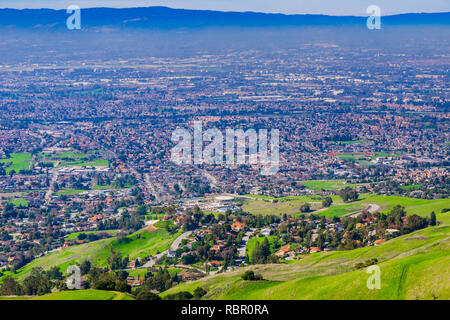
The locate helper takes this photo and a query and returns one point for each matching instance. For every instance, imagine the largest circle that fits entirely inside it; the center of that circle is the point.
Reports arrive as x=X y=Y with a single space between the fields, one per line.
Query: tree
x=433 y=219
x=10 y=287
x=37 y=283
x=141 y=211
x=199 y=292
x=82 y=236
x=115 y=260
x=348 y=194
x=306 y=207
x=85 y=267
x=55 y=274
x=183 y=295
x=147 y=295
x=251 y=276
x=327 y=202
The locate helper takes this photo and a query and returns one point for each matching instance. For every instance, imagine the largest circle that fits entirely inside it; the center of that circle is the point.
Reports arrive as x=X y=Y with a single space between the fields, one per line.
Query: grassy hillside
x=413 y=266
x=77 y=295
x=291 y=205
x=138 y=244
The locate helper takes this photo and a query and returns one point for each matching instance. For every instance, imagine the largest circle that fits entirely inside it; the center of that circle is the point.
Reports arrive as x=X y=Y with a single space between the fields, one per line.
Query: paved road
x=372 y=208
x=51 y=188
x=175 y=245
x=243 y=246
x=151 y=188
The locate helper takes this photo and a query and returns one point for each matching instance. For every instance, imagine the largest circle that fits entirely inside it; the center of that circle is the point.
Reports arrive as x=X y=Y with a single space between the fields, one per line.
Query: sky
x=330 y=7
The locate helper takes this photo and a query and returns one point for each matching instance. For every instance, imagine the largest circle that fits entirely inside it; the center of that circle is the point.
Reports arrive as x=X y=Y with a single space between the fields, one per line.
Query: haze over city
x=329 y=7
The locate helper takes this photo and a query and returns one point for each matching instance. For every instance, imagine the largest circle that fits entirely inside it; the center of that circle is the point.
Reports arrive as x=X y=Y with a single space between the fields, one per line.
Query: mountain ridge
x=168 y=18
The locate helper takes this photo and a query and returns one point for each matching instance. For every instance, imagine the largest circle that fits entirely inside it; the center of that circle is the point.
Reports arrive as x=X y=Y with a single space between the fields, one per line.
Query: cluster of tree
x=125 y=222
x=93 y=236
x=10 y=212
x=125 y=182
x=160 y=281
x=305 y=207
x=198 y=187
x=327 y=202
x=367 y=263
x=262 y=254
x=115 y=260
x=398 y=218
x=348 y=194
x=39 y=282
x=251 y=276
x=101 y=279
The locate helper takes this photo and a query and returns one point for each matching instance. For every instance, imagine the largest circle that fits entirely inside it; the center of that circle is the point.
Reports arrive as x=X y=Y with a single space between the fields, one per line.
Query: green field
x=72 y=159
x=139 y=244
x=70 y=192
x=413 y=266
x=333 y=185
x=17 y=162
x=420 y=207
x=74 y=236
x=290 y=207
x=340 y=210
x=85 y=163
x=265 y=205
x=78 y=295
x=19 y=202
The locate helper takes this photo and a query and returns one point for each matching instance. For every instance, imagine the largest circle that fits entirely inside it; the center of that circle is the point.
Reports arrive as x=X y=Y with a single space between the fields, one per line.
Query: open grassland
x=265 y=205
x=74 y=236
x=77 y=295
x=17 y=162
x=72 y=159
x=259 y=207
x=340 y=210
x=319 y=185
x=19 y=202
x=139 y=244
x=413 y=266
x=290 y=205
x=70 y=192
x=420 y=207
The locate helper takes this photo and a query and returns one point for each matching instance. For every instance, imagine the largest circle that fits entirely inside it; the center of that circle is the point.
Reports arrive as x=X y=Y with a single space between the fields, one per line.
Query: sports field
x=17 y=162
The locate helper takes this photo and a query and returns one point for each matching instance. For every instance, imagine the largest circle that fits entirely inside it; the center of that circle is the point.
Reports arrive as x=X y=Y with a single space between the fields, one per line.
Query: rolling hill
x=413 y=266
x=139 y=244
x=77 y=295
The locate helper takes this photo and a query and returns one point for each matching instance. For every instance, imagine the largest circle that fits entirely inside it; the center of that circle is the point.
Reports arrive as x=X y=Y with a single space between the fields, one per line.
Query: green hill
x=413 y=266
x=139 y=244
x=77 y=295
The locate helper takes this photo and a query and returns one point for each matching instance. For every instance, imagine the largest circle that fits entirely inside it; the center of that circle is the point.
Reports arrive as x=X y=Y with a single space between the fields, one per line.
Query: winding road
x=175 y=245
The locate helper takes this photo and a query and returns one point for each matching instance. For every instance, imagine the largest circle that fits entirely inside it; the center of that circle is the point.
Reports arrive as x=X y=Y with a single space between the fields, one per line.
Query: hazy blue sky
x=333 y=7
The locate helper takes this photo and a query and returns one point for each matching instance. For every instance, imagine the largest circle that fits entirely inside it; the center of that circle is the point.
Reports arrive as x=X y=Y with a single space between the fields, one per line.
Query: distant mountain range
x=167 y=18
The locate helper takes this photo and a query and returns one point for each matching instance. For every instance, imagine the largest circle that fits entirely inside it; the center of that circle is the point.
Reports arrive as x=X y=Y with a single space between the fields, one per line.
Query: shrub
x=251 y=276
x=147 y=295
x=199 y=292
x=183 y=295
